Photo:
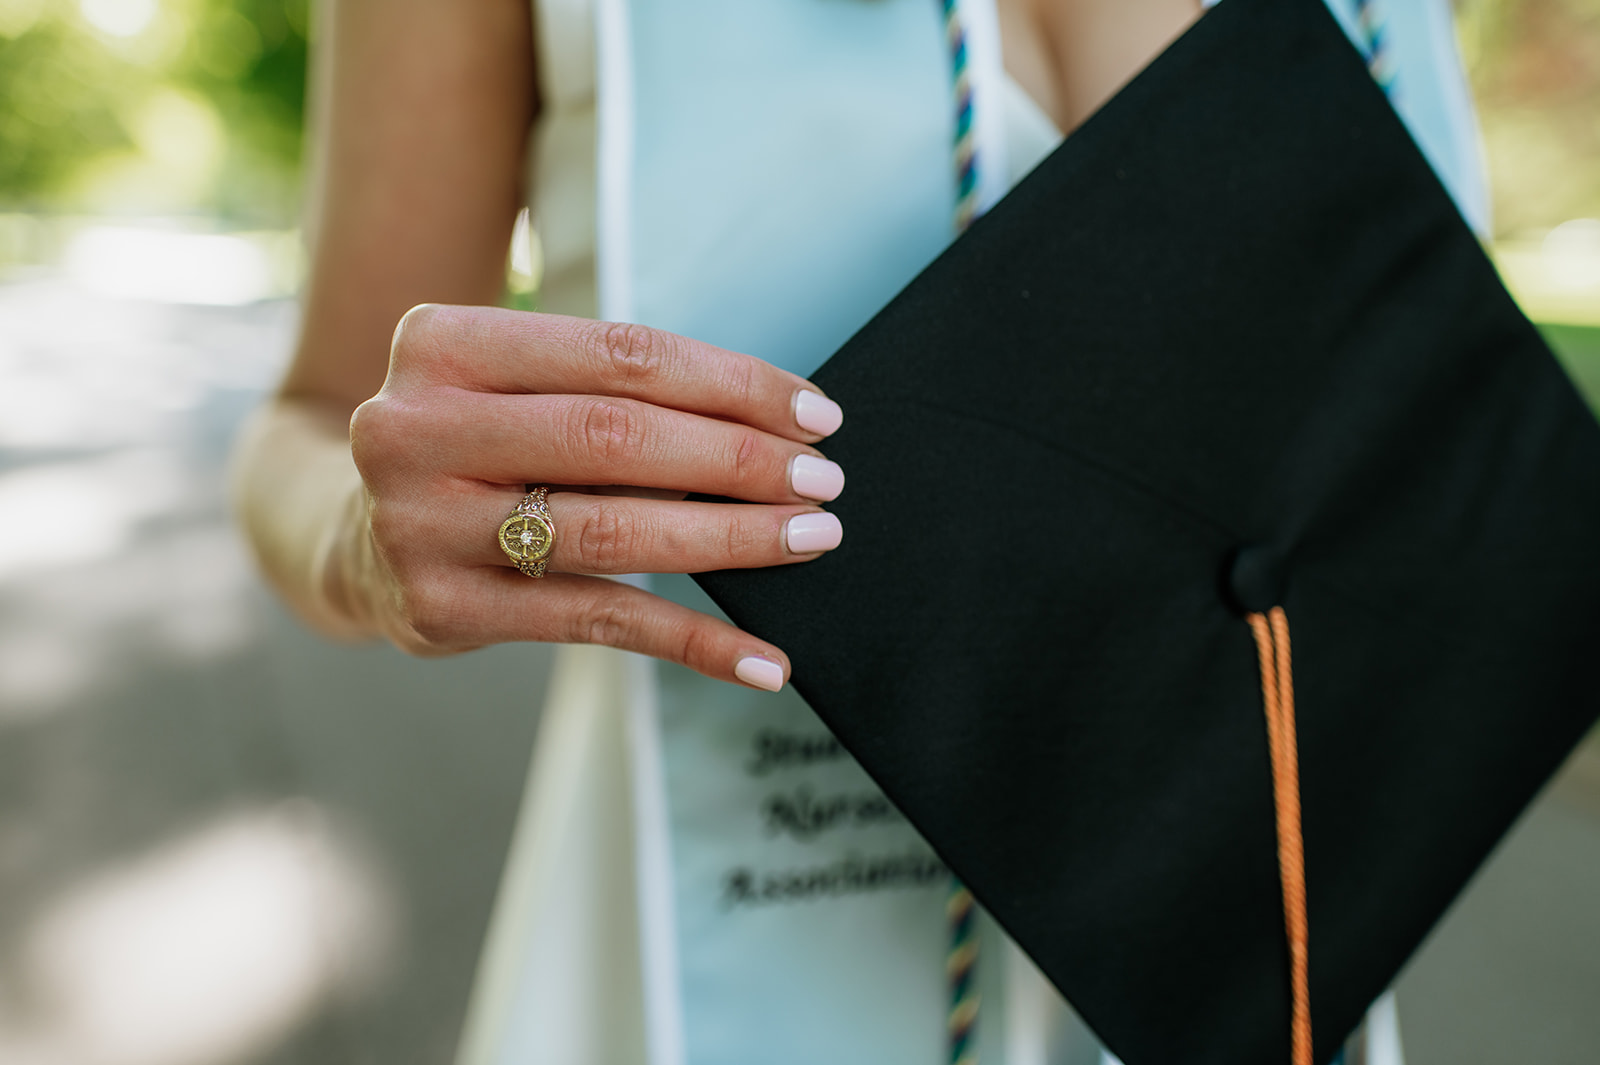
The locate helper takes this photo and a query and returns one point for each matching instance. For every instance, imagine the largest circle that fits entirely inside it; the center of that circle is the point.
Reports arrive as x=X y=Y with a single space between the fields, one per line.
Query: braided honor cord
x=966 y=156
x=1375 y=43
x=961 y=911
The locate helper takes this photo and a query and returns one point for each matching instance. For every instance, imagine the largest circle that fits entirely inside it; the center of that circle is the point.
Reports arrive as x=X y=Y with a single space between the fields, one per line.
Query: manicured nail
x=761 y=673
x=816 y=478
x=806 y=533
x=816 y=413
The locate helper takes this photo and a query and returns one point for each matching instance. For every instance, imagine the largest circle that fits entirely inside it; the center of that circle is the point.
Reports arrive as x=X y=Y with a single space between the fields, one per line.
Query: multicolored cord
x=966 y=156
x=960 y=965
x=961 y=910
x=1374 y=29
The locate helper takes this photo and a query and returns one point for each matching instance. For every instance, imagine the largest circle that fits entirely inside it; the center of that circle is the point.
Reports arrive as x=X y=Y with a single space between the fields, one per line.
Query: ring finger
x=606 y=534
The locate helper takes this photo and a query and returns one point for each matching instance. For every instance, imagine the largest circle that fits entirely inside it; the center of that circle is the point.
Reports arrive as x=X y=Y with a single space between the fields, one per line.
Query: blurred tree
x=152 y=106
x=166 y=106
x=1535 y=68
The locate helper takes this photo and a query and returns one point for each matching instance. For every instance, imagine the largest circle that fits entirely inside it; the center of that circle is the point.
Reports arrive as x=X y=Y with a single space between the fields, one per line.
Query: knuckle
x=744 y=381
x=416 y=332
x=437 y=340
x=386 y=522
x=431 y=611
x=751 y=460
x=365 y=422
x=605 y=540
x=427 y=607
x=372 y=428
x=418 y=318
x=634 y=355
x=741 y=542
x=696 y=647
x=605 y=431
x=607 y=622
x=383 y=431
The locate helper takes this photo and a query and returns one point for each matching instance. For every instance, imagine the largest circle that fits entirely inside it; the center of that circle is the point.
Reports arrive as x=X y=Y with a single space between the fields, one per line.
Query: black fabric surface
x=1230 y=346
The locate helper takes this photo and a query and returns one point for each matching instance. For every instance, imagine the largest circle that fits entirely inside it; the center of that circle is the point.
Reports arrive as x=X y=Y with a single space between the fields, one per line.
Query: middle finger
x=601 y=440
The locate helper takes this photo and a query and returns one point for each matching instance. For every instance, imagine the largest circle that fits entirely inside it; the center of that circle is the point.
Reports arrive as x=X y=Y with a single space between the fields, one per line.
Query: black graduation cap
x=1229 y=349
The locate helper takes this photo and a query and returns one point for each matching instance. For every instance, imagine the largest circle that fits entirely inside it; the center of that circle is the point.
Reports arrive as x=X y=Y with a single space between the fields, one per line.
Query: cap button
x=1255 y=578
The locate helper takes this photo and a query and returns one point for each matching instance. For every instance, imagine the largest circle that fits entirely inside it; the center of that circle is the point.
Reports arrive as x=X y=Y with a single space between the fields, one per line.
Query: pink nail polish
x=759 y=672
x=816 y=413
x=816 y=478
x=806 y=533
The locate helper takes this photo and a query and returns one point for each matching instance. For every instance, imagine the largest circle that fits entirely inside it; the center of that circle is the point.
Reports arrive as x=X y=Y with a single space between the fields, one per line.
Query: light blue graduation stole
x=788 y=170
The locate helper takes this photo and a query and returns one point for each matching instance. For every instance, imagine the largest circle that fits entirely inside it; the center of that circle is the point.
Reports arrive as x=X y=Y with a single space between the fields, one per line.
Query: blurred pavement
x=223 y=841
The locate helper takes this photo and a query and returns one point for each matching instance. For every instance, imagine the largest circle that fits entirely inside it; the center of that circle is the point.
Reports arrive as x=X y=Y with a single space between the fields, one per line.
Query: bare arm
x=419 y=114
x=421 y=111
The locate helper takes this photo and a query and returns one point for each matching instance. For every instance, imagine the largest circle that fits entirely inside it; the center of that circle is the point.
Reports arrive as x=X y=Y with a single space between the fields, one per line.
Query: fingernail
x=816 y=413
x=806 y=533
x=816 y=478
x=761 y=673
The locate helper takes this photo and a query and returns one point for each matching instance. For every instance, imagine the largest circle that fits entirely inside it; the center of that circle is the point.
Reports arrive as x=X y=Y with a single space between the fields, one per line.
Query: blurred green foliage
x=1578 y=348
x=152 y=106
x=194 y=106
x=1535 y=69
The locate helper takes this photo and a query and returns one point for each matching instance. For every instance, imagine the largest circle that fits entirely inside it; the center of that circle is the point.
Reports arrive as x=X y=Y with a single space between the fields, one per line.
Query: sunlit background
x=222 y=841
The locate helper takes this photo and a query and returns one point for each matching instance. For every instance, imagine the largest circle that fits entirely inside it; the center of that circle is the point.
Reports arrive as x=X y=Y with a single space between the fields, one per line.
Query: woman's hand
x=419 y=130
x=480 y=402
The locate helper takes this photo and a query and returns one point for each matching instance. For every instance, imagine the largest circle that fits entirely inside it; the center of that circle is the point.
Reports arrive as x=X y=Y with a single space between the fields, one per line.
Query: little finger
x=568 y=608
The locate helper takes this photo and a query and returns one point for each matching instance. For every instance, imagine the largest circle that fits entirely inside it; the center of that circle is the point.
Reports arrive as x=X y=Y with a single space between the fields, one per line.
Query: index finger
x=493 y=350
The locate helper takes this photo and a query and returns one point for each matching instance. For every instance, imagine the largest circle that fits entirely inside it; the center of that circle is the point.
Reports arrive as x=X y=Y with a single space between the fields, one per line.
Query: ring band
x=527 y=536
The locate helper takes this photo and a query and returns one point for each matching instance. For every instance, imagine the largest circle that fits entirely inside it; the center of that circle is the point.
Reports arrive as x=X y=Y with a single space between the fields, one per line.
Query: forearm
x=302 y=507
x=419 y=117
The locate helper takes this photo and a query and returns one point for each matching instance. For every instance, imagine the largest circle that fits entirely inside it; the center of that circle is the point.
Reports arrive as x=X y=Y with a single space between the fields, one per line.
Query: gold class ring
x=528 y=535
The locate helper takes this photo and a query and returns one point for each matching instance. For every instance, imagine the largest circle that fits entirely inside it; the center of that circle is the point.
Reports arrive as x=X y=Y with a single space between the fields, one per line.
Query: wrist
x=301 y=504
